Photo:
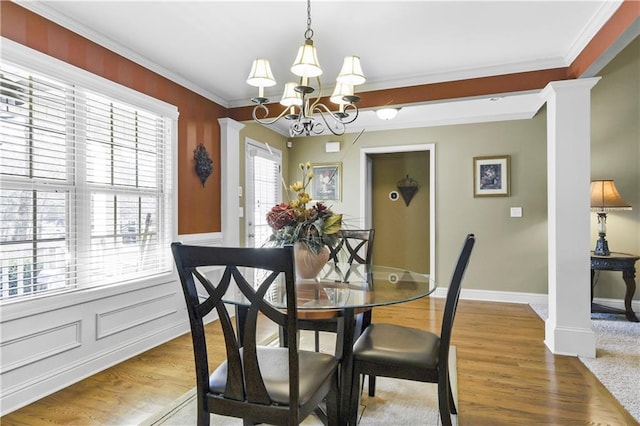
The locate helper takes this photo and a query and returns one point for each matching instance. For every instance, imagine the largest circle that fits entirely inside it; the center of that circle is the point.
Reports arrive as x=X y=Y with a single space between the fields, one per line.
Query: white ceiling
x=208 y=46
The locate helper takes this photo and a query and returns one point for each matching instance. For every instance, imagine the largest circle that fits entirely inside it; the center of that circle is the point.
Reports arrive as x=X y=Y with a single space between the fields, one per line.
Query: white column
x=568 y=328
x=230 y=180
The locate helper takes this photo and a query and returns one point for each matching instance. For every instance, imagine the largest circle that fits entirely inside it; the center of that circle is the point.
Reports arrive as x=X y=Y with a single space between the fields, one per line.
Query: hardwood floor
x=506 y=375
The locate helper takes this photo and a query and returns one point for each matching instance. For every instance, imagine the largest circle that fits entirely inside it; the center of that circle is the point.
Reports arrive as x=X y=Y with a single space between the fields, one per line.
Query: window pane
x=33 y=125
x=34 y=246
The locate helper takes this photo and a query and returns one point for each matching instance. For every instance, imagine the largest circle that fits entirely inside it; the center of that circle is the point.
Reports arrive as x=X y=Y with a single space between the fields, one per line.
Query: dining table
x=342 y=291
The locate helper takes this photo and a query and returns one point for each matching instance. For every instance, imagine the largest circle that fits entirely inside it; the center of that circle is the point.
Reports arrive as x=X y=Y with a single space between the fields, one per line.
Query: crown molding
x=40 y=8
x=606 y=11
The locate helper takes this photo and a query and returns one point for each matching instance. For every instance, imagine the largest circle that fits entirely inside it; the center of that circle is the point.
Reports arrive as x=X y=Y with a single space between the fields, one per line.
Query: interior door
x=263 y=187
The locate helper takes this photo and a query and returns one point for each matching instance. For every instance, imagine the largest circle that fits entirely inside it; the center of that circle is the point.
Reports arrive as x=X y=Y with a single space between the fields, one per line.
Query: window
x=85 y=180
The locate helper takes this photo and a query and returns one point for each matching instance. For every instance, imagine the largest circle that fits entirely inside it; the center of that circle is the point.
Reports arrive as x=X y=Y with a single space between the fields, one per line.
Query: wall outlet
x=516 y=211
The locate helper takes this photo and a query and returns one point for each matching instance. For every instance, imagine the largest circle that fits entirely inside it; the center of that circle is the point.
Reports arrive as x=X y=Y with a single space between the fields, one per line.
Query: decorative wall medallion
x=204 y=164
x=408 y=188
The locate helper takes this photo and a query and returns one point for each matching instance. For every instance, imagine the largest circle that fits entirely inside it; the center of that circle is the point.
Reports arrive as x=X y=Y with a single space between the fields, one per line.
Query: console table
x=625 y=263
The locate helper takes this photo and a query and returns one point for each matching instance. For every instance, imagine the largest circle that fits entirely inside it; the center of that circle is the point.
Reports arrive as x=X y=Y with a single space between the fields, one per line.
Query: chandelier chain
x=308 y=34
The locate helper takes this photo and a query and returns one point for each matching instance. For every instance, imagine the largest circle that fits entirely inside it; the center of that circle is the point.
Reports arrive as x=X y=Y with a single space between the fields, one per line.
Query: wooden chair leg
x=356 y=391
x=452 y=403
x=333 y=402
x=443 y=403
x=204 y=417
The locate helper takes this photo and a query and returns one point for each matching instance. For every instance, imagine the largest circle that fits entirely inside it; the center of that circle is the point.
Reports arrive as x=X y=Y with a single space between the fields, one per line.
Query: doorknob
x=252 y=235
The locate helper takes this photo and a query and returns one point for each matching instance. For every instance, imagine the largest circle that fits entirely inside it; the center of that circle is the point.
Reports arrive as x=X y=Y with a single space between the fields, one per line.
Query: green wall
x=615 y=154
x=515 y=247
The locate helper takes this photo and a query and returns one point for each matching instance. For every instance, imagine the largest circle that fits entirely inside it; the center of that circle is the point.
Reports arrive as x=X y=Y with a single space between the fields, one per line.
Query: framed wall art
x=491 y=176
x=327 y=181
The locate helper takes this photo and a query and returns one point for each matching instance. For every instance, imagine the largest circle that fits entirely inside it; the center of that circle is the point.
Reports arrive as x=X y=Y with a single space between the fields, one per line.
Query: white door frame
x=366 y=189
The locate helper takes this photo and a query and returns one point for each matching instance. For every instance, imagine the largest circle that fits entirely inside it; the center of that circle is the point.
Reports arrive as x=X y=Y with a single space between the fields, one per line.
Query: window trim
x=21 y=55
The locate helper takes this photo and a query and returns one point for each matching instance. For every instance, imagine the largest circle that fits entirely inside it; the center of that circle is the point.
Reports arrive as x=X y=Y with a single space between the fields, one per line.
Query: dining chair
x=395 y=351
x=260 y=384
x=353 y=246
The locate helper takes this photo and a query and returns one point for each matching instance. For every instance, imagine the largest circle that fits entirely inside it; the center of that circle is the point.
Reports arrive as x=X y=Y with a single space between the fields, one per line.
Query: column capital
x=564 y=85
x=231 y=123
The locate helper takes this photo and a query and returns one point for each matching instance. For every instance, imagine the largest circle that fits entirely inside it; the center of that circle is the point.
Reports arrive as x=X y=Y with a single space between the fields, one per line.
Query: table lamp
x=604 y=198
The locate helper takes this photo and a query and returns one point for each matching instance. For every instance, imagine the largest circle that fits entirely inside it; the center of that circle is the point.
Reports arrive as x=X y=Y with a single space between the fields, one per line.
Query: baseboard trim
x=528 y=298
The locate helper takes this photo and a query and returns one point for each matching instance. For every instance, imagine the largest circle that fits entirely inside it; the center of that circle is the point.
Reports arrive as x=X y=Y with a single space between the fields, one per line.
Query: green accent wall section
x=402 y=232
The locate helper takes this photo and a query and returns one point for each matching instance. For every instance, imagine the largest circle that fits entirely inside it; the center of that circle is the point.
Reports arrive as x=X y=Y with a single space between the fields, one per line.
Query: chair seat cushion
x=315 y=368
x=391 y=345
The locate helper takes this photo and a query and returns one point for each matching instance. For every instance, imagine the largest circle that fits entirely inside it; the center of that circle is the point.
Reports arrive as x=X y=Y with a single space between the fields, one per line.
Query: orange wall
x=198 y=207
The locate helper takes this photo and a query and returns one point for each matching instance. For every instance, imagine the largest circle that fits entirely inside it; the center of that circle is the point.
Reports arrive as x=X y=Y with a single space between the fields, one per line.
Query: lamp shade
x=340 y=91
x=290 y=97
x=260 y=74
x=306 y=63
x=605 y=196
x=351 y=72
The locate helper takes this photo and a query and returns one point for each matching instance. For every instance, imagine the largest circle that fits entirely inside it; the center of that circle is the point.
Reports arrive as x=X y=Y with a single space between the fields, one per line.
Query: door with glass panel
x=263 y=187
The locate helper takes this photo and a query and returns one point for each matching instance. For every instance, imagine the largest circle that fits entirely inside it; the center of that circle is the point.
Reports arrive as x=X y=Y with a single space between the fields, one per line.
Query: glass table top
x=340 y=286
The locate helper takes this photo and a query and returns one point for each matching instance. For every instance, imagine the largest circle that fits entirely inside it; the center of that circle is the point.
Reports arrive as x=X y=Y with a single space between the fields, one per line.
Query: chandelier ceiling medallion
x=296 y=98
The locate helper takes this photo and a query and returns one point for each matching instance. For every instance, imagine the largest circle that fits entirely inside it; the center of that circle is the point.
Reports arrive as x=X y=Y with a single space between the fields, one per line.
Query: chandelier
x=299 y=105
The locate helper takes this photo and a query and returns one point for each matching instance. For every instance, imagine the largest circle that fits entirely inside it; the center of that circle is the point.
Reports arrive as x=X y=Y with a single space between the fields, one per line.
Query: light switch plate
x=516 y=211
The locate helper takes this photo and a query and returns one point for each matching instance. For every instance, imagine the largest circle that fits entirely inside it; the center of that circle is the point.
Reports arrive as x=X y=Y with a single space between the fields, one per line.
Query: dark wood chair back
x=246 y=393
x=373 y=356
x=453 y=293
x=354 y=245
x=450 y=308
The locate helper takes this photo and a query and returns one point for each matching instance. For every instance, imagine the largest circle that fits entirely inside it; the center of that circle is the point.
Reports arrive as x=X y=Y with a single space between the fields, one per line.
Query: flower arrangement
x=292 y=222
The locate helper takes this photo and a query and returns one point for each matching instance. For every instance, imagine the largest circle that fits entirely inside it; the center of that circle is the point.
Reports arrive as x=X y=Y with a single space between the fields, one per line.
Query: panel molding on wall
x=34 y=347
x=117 y=320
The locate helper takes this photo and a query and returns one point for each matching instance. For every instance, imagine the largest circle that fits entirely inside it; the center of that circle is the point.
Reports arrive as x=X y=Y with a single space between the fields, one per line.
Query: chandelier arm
x=262 y=120
x=352 y=113
x=346 y=119
x=298 y=128
x=322 y=111
x=317 y=99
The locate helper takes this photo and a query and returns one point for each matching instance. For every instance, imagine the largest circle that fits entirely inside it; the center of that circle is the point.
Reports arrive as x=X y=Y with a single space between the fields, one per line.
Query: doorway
x=405 y=234
x=263 y=186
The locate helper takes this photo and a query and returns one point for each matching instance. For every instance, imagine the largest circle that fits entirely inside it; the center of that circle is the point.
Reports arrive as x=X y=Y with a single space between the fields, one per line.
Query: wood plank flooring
x=506 y=375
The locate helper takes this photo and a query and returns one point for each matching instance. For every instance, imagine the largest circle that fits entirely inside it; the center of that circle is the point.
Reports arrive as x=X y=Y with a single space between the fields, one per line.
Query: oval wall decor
x=204 y=164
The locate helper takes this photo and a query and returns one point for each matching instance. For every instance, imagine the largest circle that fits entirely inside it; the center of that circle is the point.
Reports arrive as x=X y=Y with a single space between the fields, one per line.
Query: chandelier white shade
x=351 y=72
x=290 y=97
x=306 y=63
x=308 y=116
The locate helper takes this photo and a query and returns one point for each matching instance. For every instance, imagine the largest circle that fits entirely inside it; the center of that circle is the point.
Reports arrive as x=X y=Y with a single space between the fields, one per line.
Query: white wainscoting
x=50 y=343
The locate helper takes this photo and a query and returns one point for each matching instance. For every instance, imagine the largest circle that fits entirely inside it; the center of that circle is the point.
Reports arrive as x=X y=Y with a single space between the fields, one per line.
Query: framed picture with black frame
x=491 y=176
x=327 y=181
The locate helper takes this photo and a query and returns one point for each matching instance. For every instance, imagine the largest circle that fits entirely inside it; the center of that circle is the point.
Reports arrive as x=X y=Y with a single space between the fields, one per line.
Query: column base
x=570 y=341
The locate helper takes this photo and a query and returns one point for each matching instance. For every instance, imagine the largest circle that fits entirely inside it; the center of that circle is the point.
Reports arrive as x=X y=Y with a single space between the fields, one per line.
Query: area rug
x=397 y=402
x=617 y=361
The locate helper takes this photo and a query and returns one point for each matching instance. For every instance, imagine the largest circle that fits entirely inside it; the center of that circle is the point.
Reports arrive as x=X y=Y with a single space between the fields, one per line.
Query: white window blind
x=265 y=175
x=86 y=186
